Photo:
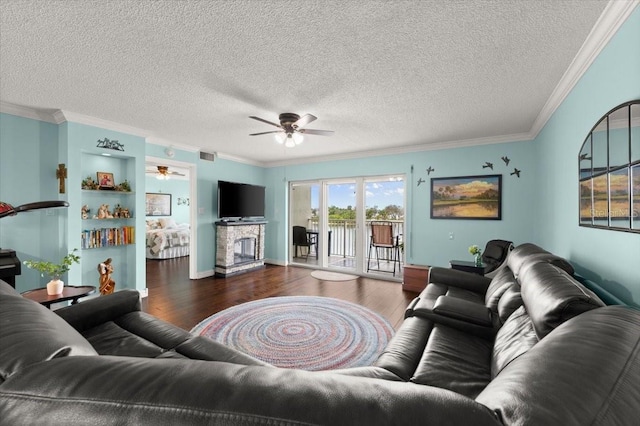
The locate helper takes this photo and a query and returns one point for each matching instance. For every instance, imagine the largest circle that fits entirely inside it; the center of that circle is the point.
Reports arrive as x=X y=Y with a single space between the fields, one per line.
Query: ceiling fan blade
x=264 y=121
x=304 y=120
x=265 y=133
x=176 y=174
x=317 y=132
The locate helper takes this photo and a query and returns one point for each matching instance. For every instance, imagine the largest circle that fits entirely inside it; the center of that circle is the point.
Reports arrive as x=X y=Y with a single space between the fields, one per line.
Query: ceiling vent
x=208 y=156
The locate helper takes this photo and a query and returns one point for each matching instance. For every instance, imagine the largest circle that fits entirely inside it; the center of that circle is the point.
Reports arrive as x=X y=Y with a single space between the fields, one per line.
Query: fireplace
x=244 y=250
x=239 y=247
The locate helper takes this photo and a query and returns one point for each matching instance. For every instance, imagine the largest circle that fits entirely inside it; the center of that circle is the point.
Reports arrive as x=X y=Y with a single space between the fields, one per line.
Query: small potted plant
x=54 y=270
x=477 y=253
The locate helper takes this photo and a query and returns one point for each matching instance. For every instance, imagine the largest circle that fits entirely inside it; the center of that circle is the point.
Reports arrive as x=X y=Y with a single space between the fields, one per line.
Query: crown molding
x=88 y=120
x=612 y=18
x=435 y=146
x=27 y=112
x=164 y=142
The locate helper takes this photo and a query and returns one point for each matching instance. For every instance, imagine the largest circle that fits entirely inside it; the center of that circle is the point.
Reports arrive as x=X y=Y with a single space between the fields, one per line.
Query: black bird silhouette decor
x=420 y=181
x=488 y=164
x=585 y=157
x=430 y=169
x=515 y=172
x=506 y=160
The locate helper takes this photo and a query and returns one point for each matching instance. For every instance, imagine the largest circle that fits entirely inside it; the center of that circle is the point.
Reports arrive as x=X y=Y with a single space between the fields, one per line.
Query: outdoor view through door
x=337 y=216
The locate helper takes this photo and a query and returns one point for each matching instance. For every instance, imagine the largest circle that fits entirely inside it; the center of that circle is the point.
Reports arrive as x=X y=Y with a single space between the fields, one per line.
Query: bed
x=166 y=239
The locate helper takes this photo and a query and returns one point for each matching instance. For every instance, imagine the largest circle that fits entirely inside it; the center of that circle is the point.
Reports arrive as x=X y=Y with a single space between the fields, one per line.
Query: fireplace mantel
x=227 y=234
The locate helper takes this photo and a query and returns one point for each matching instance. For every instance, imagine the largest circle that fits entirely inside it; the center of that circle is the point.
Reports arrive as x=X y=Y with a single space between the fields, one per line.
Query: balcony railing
x=342 y=235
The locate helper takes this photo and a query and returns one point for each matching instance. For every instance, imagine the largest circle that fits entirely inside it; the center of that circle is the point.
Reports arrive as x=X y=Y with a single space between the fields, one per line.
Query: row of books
x=106 y=237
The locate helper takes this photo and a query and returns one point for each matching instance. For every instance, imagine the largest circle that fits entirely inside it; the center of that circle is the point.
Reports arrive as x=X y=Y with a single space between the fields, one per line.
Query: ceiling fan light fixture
x=297 y=138
x=280 y=137
x=290 y=143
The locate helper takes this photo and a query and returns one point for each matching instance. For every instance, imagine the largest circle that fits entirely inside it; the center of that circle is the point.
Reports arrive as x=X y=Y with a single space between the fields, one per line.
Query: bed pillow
x=167 y=223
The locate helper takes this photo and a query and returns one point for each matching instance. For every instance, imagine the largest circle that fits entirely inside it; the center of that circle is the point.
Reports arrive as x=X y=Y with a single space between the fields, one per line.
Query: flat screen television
x=240 y=200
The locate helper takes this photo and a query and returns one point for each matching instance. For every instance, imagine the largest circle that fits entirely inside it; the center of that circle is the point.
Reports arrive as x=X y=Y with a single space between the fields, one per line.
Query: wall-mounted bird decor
x=430 y=169
x=585 y=157
x=420 y=181
x=516 y=172
x=506 y=160
x=487 y=165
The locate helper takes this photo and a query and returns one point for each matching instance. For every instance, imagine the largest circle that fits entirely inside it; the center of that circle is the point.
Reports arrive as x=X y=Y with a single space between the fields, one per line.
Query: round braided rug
x=305 y=332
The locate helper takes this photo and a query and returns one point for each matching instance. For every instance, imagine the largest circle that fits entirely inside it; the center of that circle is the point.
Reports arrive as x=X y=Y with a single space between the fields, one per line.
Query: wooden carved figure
x=107 y=285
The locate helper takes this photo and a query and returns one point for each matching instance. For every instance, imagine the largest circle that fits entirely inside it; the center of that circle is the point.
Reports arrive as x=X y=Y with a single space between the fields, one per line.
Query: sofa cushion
x=403 y=352
x=513 y=339
x=585 y=372
x=31 y=333
x=503 y=280
x=455 y=360
x=510 y=301
x=135 y=334
x=551 y=297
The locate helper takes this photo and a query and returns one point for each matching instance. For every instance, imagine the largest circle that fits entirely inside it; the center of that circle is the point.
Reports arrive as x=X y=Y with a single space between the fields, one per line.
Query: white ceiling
x=386 y=76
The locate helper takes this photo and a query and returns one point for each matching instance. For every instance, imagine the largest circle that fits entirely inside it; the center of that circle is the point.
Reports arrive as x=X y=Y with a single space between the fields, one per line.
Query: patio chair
x=302 y=239
x=382 y=238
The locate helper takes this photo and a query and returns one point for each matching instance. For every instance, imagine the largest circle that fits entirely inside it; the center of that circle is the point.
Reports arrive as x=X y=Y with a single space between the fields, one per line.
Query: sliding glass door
x=331 y=224
x=341 y=214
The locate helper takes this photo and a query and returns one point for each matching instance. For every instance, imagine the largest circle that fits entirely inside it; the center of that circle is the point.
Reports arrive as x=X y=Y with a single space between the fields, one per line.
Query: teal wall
x=28 y=153
x=609 y=258
x=428 y=240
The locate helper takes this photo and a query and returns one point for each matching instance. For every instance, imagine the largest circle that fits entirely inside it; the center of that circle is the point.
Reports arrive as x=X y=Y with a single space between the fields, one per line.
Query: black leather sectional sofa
x=531 y=346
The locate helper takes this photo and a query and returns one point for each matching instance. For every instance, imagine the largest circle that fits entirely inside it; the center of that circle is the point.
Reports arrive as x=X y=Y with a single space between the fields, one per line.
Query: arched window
x=609 y=171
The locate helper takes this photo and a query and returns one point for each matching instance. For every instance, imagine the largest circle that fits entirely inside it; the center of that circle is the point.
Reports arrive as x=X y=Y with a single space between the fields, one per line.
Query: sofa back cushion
x=513 y=339
x=503 y=280
x=510 y=301
x=31 y=333
x=551 y=297
x=528 y=254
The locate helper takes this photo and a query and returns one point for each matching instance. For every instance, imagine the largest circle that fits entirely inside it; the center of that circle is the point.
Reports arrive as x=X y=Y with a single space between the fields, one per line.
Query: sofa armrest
x=93 y=312
x=463 y=310
x=122 y=390
x=460 y=279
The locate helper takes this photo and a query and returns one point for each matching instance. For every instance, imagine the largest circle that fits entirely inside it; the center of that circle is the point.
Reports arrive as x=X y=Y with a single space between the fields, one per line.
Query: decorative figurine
x=107 y=285
x=103 y=212
x=85 y=211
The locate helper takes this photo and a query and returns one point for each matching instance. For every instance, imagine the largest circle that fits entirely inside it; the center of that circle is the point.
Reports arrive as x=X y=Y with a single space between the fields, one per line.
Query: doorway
x=184 y=193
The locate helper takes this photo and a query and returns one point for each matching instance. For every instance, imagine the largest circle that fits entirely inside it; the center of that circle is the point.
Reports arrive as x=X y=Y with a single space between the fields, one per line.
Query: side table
x=466 y=266
x=415 y=277
x=69 y=292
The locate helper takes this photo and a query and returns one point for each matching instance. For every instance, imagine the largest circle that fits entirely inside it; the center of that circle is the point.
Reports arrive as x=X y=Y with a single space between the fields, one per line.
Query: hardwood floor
x=184 y=303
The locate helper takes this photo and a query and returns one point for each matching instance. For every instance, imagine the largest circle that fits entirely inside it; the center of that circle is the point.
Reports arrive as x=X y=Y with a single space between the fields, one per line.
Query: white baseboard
x=144 y=293
x=205 y=274
x=275 y=262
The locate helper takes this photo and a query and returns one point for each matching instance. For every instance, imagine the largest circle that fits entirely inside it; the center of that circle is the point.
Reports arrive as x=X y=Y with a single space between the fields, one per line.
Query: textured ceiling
x=382 y=74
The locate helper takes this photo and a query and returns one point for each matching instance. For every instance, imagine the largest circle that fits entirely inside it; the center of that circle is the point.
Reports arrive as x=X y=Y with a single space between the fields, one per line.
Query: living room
x=539 y=205
x=524 y=358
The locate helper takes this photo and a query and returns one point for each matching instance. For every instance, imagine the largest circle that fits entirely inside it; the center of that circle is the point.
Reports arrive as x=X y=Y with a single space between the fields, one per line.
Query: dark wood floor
x=184 y=303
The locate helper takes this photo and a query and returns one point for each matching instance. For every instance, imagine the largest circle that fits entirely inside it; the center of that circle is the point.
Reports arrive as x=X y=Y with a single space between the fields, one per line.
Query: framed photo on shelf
x=158 y=204
x=105 y=180
x=467 y=197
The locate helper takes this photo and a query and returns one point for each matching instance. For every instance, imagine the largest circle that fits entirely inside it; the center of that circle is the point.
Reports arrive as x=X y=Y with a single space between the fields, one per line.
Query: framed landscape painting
x=158 y=204
x=467 y=197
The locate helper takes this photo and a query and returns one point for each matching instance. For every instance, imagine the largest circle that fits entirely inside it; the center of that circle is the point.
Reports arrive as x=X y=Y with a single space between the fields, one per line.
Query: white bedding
x=165 y=243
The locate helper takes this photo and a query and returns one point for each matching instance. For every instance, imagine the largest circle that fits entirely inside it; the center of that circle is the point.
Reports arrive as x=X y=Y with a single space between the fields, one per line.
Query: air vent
x=208 y=156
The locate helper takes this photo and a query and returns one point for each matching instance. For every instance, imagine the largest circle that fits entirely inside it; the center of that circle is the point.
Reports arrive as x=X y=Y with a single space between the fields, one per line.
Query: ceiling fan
x=163 y=173
x=292 y=128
